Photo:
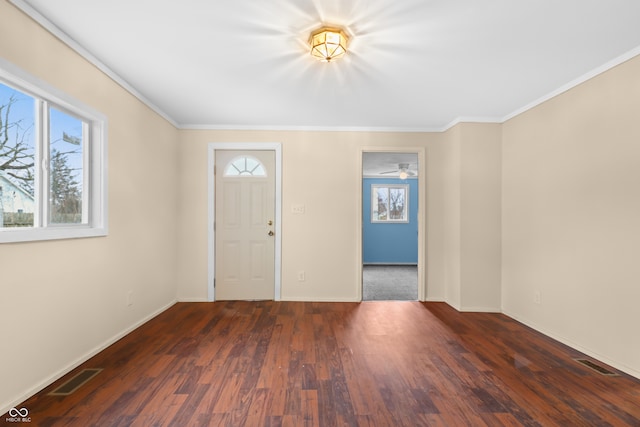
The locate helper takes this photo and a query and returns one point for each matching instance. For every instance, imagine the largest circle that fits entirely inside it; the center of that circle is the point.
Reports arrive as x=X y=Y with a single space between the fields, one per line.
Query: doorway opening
x=389 y=282
x=391 y=226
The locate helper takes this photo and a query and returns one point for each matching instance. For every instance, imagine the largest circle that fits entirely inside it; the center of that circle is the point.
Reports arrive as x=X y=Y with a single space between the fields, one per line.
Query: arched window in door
x=245 y=166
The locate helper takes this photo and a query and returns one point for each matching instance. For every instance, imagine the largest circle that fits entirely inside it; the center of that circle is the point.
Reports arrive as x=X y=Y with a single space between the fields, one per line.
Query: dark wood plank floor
x=338 y=364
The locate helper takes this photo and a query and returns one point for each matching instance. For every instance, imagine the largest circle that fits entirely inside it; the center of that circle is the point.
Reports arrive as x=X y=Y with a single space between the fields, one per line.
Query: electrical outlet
x=301 y=276
x=537 y=297
x=129 y=298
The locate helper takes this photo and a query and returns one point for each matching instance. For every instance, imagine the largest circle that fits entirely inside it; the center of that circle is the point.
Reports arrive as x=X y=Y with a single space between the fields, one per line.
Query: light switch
x=297 y=209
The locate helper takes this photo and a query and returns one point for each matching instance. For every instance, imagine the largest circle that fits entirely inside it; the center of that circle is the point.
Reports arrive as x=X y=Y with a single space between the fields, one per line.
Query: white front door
x=244 y=224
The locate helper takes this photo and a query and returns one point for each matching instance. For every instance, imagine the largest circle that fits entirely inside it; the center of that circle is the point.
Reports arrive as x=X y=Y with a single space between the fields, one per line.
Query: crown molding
x=308 y=128
x=73 y=44
x=80 y=50
x=573 y=83
x=459 y=120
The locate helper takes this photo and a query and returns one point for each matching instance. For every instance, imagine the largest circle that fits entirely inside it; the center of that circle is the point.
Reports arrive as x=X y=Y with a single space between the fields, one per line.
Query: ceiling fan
x=403 y=168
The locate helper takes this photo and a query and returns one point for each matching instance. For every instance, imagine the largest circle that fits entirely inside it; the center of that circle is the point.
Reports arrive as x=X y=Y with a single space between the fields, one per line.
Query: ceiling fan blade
x=383 y=173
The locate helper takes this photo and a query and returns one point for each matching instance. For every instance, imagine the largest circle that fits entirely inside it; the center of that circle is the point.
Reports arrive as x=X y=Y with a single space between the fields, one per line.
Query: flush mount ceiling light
x=328 y=43
x=402 y=171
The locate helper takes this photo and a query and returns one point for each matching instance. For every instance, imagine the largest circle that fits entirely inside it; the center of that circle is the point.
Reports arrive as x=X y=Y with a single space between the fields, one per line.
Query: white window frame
x=95 y=163
x=405 y=218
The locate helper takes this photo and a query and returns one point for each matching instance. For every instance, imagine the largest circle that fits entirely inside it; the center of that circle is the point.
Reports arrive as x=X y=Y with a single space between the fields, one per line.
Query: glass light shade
x=328 y=44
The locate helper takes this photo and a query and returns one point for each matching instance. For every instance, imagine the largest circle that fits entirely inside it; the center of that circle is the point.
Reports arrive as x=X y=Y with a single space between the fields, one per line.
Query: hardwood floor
x=337 y=364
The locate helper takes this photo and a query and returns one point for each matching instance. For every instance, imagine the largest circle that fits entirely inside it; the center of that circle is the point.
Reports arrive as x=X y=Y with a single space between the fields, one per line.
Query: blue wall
x=395 y=243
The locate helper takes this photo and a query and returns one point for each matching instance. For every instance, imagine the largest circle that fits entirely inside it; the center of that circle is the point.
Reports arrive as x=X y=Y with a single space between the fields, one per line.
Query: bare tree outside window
x=65 y=174
x=383 y=203
x=396 y=200
x=53 y=158
x=18 y=157
x=389 y=203
x=17 y=150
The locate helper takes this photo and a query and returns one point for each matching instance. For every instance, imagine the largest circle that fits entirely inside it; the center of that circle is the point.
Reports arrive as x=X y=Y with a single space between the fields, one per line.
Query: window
x=389 y=203
x=52 y=162
x=245 y=166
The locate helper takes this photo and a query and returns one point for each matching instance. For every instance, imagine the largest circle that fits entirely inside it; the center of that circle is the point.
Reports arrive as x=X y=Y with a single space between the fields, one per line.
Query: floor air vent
x=594 y=366
x=75 y=383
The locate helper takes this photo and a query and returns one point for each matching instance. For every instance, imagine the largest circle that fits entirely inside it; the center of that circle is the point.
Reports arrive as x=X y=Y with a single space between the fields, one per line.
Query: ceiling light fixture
x=404 y=170
x=328 y=43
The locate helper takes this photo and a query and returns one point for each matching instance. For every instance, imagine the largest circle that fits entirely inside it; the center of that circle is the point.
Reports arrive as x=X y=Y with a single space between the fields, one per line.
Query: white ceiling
x=387 y=165
x=412 y=65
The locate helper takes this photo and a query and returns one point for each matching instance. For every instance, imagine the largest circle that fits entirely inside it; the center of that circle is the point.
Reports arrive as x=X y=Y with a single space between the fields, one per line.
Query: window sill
x=52 y=233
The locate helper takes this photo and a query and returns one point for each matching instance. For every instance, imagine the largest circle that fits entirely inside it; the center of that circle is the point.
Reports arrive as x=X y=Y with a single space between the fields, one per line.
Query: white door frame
x=211 y=155
x=422 y=212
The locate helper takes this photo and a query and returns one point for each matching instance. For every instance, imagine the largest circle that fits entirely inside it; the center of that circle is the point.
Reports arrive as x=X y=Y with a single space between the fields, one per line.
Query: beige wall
x=571 y=217
x=547 y=201
x=471 y=206
x=320 y=171
x=480 y=211
x=63 y=300
x=451 y=177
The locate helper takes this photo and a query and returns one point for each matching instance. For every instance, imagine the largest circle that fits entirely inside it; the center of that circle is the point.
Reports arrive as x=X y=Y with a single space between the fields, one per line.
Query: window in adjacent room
x=52 y=165
x=389 y=203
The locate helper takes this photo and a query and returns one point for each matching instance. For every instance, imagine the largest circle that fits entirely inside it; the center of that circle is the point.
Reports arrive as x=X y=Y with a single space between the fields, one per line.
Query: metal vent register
x=594 y=366
x=76 y=382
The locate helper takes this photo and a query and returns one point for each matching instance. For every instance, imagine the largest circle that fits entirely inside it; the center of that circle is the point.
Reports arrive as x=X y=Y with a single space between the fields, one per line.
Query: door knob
x=269 y=222
x=270 y=233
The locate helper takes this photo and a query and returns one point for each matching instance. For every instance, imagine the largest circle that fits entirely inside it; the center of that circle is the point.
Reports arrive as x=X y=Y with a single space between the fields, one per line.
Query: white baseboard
x=80 y=360
x=617 y=365
x=193 y=300
x=613 y=363
x=455 y=307
x=480 y=309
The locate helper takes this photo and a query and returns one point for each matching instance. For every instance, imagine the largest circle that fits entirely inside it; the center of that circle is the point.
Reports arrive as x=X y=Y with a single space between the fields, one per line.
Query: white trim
x=211 y=151
x=46 y=95
x=407 y=207
x=480 y=310
x=617 y=365
x=80 y=360
x=80 y=50
x=573 y=83
x=73 y=44
x=462 y=119
x=211 y=215
x=294 y=128
x=422 y=214
x=433 y=129
x=188 y=299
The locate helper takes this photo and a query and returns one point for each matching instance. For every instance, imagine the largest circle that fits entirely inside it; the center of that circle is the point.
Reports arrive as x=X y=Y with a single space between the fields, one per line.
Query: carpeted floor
x=390 y=282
